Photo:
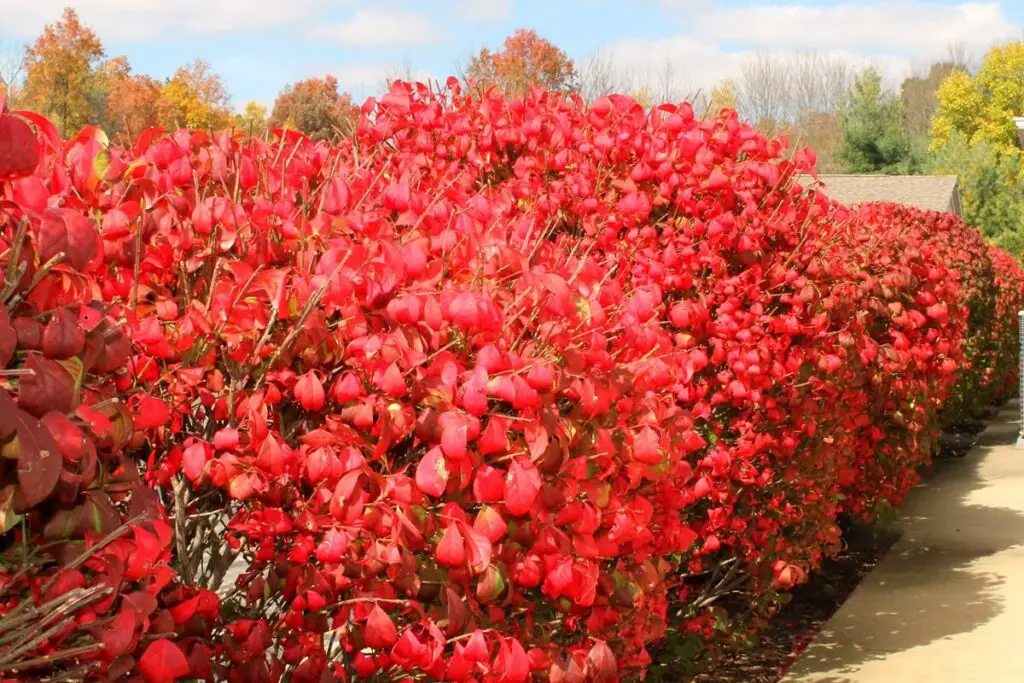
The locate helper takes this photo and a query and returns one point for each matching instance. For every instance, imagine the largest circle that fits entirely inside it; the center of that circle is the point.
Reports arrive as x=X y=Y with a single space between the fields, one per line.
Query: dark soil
x=796 y=624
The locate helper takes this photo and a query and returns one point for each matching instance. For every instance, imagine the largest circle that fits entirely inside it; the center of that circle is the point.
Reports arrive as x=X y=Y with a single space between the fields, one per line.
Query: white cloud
x=363 y=80
x=894 y=35
x=381 y=27
x=138 y=20
x=483 y=10
x=901 y=26
x=679 y=65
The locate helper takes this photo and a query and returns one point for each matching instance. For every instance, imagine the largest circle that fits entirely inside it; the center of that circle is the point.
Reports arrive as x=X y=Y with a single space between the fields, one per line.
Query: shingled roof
x=931 y=192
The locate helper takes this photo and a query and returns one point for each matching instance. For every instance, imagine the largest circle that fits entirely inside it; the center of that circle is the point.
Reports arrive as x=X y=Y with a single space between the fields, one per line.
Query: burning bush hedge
x=498 y=389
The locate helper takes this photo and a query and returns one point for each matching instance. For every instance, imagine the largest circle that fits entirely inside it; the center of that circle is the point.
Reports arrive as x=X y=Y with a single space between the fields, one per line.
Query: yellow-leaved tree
x=973 y=135
x=195 y=97
x=62 y=74
x=253 y=119
x=725 y=96
x=981 y=108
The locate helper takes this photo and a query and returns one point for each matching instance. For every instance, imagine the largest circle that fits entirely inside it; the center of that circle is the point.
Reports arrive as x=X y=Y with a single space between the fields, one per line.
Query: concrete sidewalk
x=947 y=602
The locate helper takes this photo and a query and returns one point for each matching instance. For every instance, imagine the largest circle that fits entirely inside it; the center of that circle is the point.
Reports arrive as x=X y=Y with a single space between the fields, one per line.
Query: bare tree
x=12 y=67
x=766 y=92
x=669 y=88
x=818 y=83
x=960 y=57
x=400 y=72
x=918 y=94
x=600 y=76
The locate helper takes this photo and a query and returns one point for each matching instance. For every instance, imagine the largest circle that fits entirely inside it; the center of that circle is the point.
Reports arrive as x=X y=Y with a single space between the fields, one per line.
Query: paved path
x=947 y=602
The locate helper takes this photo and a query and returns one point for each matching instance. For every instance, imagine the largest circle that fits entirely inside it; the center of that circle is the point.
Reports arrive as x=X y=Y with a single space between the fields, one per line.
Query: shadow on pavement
x=928 y=587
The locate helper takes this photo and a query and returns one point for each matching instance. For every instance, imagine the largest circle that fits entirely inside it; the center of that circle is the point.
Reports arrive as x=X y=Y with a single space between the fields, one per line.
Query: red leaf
x=163 y=662
x=380 y=630
x=50 y=387
x=492 y=585
x=512 y=664
x=391 y=382
x=62 y=336
x=687 y=536
x=463 y=310
x=432 y=473
x=454 y=439
x=459 y=668
x=19 y=148
x=490 y=523
x=69 y=437
x=451 y=550
x=521 y=487
x=8 y=415
x=8 y=338
x=488 y=484
x=71 y=233
x=45 y=126
x=118 y=637
x=309 y=392
x=494 y=438
x=39 y=461
x=476 y=647
x=148 y=411
x=646 y=448
x=333 y=547
x=184 y=611
x=536 y=439
x=30 y=192
x=194 y=459
x=478 y=550
x=601 y=666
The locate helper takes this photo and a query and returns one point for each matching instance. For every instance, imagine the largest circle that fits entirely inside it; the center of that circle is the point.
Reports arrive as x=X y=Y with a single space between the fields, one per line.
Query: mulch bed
x=796 y=624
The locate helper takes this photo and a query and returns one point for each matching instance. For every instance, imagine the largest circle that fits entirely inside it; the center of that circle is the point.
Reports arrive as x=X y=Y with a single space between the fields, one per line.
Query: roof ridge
x=931 y=192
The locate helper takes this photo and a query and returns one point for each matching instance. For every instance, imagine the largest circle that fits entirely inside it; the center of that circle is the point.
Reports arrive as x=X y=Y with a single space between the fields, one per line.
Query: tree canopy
x=526 y=59
x=195 y=97
x=991 y=190
x=982 y=107
x=61 y=73
x=315 y=107
x=874 y=136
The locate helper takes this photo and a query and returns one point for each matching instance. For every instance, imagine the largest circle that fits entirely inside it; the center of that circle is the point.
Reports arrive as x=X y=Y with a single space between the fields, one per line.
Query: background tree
x=820 y=130
x=981 y=108
x=600 y=75
x=253 y=119
x=725 y=96
x=527 y=59
x=765 y=94
x=195 y=97
x=920 y=102
x=919 y=95
x=61 y=73
x=798 y=94
x=991 y=189
x=132 y=100
x=818 y=83
x=315 y=107
x=874 y=137
x=12 y=68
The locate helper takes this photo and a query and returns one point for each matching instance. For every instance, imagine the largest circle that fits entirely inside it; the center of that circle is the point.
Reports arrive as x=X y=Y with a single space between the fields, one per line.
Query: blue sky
x=258 y=46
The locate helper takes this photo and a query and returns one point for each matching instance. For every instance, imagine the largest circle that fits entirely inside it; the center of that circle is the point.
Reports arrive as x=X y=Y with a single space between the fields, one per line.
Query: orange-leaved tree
x=132 y=100
x=527 y=59
x=316 y=107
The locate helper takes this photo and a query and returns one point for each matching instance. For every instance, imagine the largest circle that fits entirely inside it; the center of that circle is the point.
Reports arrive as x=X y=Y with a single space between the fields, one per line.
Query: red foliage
x=500 y=387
